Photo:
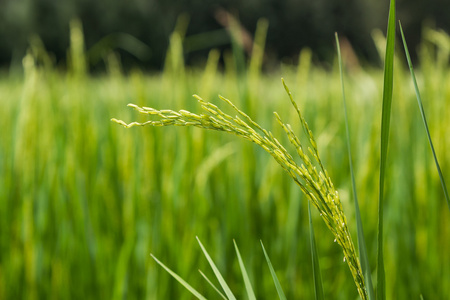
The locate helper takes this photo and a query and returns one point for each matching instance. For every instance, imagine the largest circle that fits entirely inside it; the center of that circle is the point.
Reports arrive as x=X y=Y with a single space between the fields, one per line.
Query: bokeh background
x=293 y=25
x=83 y=201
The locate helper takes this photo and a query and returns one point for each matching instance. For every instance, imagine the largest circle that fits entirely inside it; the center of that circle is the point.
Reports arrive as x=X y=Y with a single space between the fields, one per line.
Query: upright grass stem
x=385 y=125
x=424 y=119
x=363 y=256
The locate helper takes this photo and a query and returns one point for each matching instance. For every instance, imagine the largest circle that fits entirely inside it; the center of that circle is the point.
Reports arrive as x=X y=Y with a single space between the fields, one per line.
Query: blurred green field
x=83 y=201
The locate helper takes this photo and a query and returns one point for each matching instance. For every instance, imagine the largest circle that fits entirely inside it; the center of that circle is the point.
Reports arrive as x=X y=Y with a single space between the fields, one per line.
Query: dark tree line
x=293 y=24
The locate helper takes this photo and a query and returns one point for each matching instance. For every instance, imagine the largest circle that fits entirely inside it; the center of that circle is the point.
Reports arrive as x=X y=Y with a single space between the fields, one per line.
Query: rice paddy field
x=83 y=201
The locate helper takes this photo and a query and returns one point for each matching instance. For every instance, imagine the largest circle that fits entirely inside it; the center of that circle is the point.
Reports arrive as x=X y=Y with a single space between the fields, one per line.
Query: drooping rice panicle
x=314 y=183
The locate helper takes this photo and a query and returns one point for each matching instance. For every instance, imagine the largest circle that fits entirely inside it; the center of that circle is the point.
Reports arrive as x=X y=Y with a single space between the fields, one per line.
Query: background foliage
x=293 y=25
x=83 y=202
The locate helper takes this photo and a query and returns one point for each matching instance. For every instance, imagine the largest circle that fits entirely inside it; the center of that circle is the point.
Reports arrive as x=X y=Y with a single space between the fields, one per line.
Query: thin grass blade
x=247 y=283
x=274 y=276
x=362 y=249
x=213 y=286
x=385 y=124
x=318 y=289
x=424 y=119
x=180 y=280
x=216 y=271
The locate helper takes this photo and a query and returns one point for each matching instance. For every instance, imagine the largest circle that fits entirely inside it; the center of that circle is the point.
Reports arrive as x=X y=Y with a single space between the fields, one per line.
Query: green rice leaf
x=424 y=119
x=247 y=283
x=212 y=284
x=385 y=124
x=363 y=257
x=318 y=289
x=180 y=280
x=274 y=276
x=222 y=282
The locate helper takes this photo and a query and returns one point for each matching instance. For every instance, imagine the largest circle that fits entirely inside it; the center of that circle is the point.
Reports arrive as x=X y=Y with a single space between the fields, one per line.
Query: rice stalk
x=311 y=176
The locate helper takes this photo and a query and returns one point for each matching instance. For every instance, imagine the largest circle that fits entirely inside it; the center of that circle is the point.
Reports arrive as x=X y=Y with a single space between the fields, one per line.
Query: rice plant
x=310 y=175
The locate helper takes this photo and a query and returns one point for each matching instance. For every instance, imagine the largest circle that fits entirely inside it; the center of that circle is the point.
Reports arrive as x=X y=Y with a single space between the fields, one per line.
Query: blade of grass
x=363 y=257
x=274 y=276
x=213 y=286
x=318 y=289
x=180 y=280
x=385 y=124
x=422 y=113
x=217 y=273
x=248 y=285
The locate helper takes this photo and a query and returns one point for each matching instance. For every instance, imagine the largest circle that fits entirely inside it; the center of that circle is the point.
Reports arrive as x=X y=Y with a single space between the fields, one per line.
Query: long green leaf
x=248 y=285
x=424 y=119
x=363 y=257
x=385 y=124
x=180 y=280
x=216 y=271
x=318 y=289
x=274 y=276
x=212 y=284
